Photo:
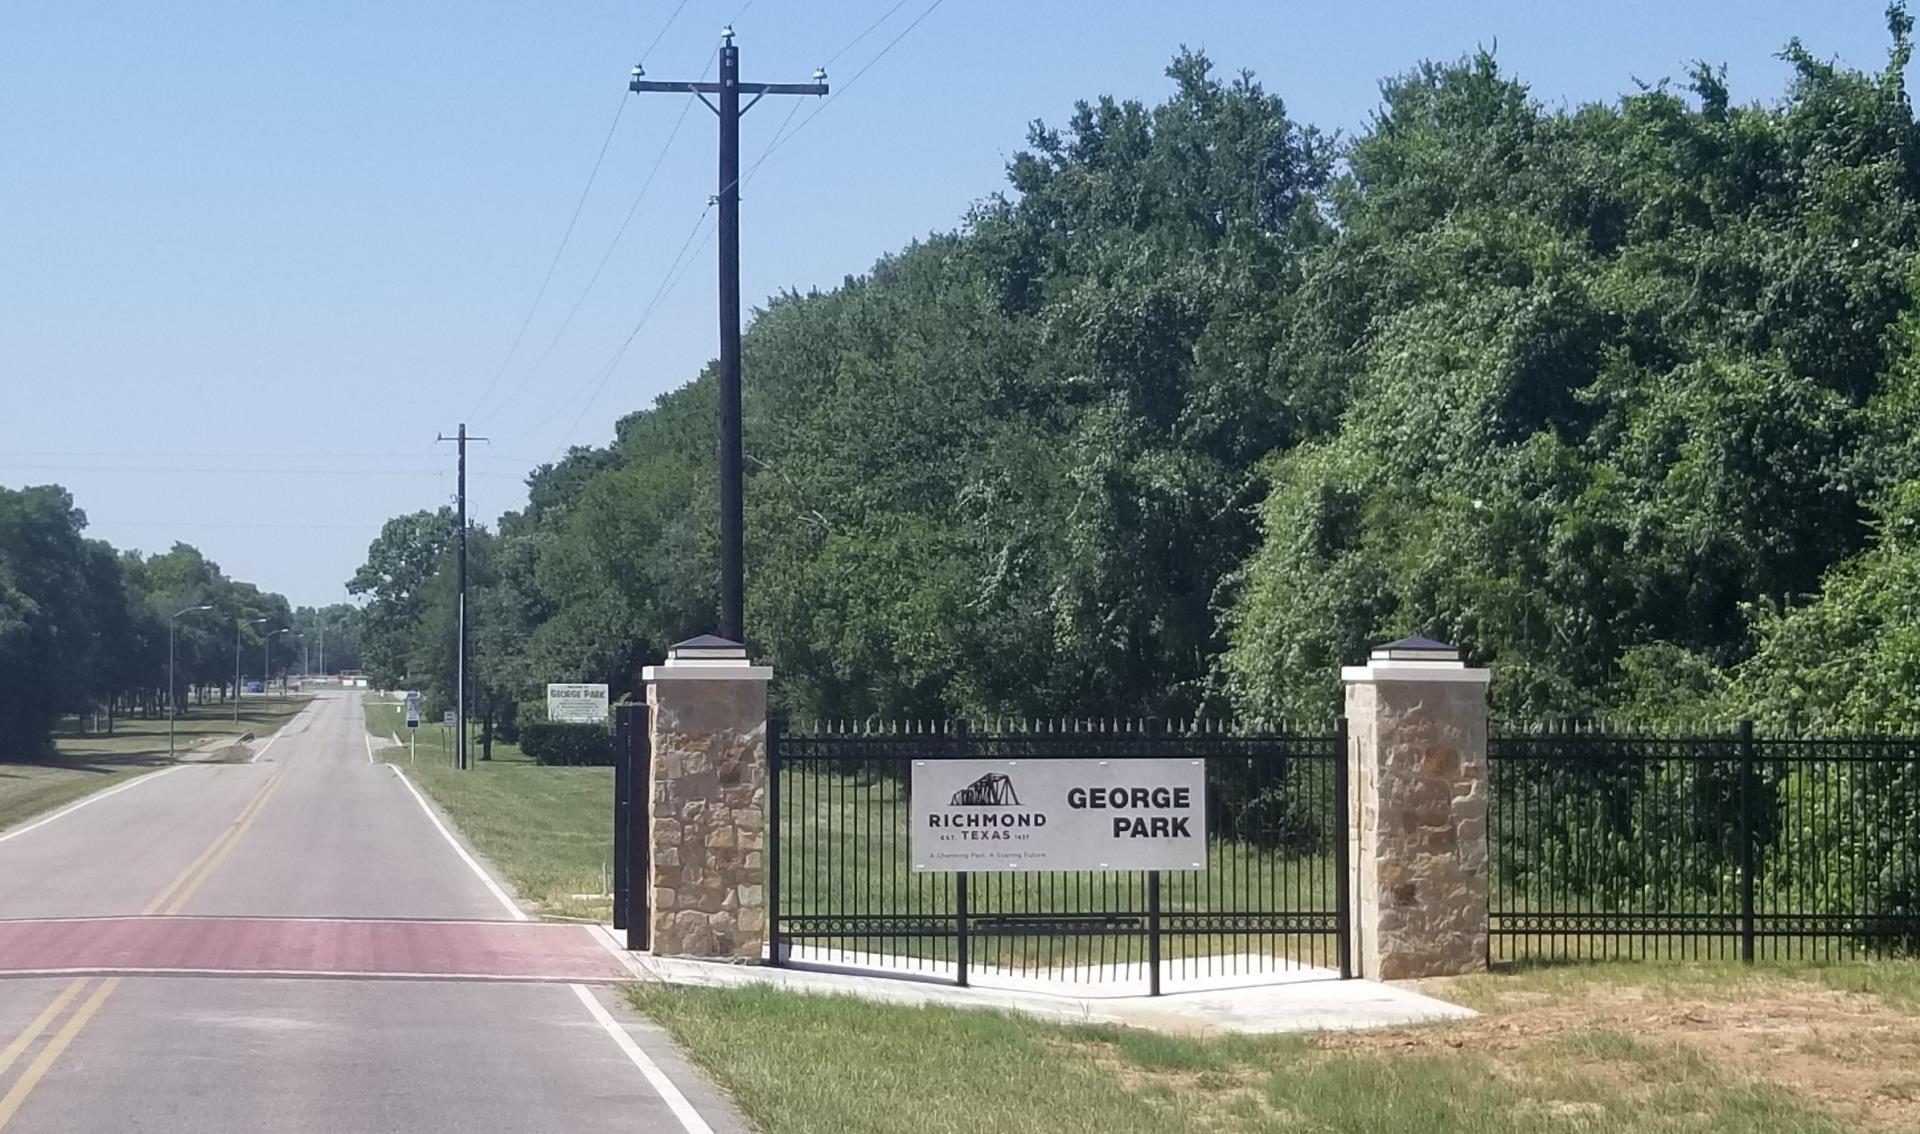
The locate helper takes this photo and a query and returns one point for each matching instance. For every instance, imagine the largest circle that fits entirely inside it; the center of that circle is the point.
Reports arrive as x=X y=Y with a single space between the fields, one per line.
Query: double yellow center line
x=179 y=891
x=170 y=901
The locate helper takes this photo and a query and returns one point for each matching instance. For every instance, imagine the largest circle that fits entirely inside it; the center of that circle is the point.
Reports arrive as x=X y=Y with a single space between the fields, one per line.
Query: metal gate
x=1273 y=901
x=632 y=737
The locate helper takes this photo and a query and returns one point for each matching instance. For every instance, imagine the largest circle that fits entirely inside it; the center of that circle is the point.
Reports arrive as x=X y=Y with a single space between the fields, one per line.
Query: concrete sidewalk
x=1300 y=999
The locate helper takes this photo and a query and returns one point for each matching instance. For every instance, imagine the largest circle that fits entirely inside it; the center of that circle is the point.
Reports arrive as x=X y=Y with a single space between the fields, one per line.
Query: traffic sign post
x=413 y=723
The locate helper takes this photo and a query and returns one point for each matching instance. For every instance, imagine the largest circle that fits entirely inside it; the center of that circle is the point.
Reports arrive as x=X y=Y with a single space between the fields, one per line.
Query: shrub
x=570 y=745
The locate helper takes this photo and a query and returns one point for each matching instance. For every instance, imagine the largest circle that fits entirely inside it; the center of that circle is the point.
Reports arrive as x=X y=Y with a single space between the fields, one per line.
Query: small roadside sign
x=413 y=710
x=446 y=718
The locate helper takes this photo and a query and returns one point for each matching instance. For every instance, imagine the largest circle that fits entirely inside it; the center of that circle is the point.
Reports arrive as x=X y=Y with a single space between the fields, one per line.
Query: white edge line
x=492 y=886
x=368 y=741
x=690 y=1119
x=137 y=781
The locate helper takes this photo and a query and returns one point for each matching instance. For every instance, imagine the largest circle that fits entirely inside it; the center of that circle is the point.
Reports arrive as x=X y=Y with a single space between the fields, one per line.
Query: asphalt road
x=293 y=945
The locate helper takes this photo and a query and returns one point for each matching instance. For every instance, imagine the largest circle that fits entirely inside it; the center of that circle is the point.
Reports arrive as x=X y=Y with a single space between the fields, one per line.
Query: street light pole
x=239 y=629
x=266 y=657
x=173 y=707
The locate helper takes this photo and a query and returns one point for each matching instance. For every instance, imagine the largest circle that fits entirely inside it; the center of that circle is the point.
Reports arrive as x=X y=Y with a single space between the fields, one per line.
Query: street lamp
x=266 y=656
x=173 y=708
x=239 y=629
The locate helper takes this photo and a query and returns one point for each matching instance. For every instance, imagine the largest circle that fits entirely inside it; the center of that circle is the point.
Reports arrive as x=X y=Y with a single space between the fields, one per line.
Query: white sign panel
x=413 y=710
x=1059 y=815
x=577 y=704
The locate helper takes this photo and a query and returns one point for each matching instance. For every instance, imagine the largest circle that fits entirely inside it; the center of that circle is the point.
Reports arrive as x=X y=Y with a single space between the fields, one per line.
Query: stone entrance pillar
x=706 y=799
x=1417 y=830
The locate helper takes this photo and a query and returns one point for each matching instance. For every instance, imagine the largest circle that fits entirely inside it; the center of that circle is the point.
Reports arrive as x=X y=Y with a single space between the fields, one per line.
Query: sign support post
x=960 y=730
x=1151 y=727
x=413 y=723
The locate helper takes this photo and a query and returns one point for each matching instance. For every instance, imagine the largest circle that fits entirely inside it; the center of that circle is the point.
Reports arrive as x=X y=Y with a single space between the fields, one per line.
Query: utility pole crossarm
x=648 y=86
x=784 y=88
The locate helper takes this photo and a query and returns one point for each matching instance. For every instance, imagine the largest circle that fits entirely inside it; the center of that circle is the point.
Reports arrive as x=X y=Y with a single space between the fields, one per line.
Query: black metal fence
x=1702 y=845
x=843 y=887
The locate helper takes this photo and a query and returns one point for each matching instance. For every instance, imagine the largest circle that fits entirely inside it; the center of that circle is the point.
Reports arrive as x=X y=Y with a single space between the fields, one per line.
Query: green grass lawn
x=432 y=742
x=83 y=763
x=1542 y=1059
x=549 y=831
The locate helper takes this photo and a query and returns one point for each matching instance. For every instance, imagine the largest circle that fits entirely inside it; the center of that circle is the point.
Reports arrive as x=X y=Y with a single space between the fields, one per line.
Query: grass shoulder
x=83 y=762
x=1766 y=1052
x=548 y=830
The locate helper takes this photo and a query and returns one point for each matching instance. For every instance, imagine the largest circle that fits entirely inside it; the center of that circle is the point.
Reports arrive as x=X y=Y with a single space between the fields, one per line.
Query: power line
x=661 y=34
x=547 y=279
x=604 y=373
x=854 y=42
x=779 y=133
x=601 y=267
x=223 y=455
x=841 y=88
x=781 y=136
x=93 y=521
x=673 y=283
x=632 y=209
x=555 y=262
x=221 y=470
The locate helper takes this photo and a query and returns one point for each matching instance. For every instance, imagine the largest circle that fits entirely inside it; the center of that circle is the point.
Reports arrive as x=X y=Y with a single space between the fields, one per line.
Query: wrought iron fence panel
x=1711 y=844
x=1269 y=900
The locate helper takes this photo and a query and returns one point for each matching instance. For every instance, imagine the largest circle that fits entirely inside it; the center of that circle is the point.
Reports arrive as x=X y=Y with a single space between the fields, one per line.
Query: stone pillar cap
x=1414 y=659
x=1415 y=649
x=706 y=646
x=707 y=658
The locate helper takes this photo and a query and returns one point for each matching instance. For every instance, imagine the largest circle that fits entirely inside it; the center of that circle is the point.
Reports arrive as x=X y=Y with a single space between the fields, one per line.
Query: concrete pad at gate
x=1299 y=1000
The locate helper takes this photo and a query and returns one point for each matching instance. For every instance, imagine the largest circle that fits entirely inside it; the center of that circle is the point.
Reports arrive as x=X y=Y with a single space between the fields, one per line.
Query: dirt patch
x=1210 y=1098
x=1849 y=1053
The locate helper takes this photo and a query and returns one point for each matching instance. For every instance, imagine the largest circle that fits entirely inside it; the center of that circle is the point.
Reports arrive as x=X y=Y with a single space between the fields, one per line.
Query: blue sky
x=257 y=254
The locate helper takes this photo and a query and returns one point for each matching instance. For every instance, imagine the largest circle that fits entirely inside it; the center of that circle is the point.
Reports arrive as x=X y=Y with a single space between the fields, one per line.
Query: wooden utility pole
x=728 y=90
x=460 y=608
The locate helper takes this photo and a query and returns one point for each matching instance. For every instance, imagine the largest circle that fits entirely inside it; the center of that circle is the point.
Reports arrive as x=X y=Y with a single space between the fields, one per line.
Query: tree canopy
x=85 y=627
x=1620 y=398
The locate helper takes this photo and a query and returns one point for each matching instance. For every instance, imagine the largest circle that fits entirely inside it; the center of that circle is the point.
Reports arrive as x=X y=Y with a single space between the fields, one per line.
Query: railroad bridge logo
x=990 y=790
